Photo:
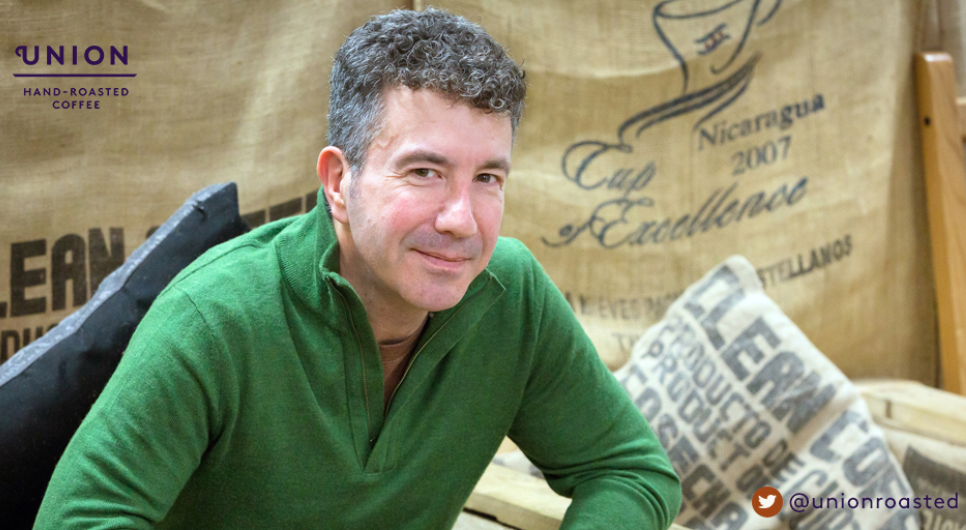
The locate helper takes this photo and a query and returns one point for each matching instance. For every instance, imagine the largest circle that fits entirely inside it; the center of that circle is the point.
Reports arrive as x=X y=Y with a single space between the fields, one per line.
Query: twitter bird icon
x=767 y=501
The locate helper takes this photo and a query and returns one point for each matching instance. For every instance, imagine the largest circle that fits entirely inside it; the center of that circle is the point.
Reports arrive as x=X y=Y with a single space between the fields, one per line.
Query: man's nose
x=456 y=217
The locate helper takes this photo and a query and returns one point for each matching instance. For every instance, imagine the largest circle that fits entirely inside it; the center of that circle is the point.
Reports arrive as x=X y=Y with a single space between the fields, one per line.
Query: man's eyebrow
x=497 y=163
x=423 y=156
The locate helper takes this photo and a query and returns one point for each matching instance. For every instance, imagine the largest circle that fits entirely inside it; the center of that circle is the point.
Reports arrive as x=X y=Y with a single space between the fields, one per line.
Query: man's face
x=424 y=214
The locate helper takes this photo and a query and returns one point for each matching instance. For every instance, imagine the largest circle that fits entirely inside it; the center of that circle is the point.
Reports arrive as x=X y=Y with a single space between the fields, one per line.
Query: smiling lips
x=443 y=261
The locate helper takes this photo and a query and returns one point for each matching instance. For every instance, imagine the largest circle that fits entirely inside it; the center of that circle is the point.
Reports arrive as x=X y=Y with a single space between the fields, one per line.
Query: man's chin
x=436 y=300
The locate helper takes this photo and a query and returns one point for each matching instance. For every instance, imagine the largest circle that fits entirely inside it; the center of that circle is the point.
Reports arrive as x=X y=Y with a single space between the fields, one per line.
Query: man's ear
x=334 y=173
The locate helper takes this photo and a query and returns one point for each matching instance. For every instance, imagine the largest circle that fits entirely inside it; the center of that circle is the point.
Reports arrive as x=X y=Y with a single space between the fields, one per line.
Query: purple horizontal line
x=74 y=75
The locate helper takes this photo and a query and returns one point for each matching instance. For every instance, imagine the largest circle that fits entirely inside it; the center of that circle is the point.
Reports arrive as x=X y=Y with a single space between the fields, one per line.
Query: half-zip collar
x=312 y=273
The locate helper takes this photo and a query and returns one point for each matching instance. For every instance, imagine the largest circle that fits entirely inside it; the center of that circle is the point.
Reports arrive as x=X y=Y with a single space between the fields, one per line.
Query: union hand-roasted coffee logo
x=84 y=95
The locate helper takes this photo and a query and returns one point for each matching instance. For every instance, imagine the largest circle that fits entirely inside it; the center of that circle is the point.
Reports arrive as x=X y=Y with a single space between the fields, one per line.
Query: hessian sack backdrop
x=660 y=138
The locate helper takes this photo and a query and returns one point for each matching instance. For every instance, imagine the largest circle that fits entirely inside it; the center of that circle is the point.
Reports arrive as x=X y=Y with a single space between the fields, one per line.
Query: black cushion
x=48 y=387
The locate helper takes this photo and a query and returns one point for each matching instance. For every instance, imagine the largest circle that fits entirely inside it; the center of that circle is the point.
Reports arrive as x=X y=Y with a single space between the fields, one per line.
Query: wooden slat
x=914 y=407
x=946 y=202
x=520 y=500
x=961 y=105
x=517 y=499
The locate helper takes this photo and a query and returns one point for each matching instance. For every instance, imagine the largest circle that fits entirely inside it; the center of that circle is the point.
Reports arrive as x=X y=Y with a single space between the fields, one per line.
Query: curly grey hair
x=429 y=49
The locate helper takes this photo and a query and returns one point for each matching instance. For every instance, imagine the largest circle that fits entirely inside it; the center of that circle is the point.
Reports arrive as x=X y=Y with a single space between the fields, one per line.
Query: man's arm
x=581 y=429
x=147 y=431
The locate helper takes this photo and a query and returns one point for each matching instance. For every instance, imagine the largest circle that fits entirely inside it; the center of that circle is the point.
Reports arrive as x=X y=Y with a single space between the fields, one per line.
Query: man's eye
x=487 y=178
x=424 y=172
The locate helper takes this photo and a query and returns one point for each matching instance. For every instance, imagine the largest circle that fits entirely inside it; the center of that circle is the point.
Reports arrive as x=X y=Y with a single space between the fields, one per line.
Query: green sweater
x=251 y=397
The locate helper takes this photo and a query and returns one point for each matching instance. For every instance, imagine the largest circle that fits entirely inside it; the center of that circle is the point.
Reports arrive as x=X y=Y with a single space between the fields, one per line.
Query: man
x=358 y=368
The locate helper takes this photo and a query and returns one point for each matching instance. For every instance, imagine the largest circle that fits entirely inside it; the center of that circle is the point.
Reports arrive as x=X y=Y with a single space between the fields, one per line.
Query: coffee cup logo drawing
x=708 y=37
x=711 y=42
x=767 y=501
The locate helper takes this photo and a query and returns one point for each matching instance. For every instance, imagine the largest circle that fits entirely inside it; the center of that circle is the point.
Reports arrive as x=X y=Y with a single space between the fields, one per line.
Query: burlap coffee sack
x=661 y=137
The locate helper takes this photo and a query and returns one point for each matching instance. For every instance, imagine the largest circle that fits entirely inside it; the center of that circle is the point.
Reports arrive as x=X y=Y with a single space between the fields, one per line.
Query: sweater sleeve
x=581 y=429
x=147 y=431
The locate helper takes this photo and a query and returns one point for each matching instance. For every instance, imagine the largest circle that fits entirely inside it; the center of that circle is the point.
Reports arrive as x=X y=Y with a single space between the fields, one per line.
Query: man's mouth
x=446 y=263
x=445 y=257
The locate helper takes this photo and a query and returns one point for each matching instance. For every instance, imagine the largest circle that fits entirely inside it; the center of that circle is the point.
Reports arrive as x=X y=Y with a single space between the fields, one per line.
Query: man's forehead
x=425 y=126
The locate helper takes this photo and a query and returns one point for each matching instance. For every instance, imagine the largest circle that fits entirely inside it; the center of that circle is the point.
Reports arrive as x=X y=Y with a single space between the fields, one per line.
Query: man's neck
x=390 y=326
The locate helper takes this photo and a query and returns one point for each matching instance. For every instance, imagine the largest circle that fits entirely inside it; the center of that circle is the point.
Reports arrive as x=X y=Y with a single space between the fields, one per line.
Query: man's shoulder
x=511 y=256
x=516 y=267
x=236 y=268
